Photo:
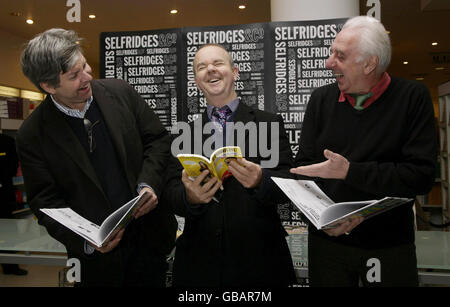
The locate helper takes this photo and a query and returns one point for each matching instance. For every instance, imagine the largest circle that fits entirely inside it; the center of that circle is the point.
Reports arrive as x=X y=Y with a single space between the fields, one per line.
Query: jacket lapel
x=112 y=114
x=244 y=114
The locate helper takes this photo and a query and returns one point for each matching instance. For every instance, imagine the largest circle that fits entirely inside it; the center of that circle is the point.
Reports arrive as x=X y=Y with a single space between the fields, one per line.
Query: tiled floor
x=38 y=276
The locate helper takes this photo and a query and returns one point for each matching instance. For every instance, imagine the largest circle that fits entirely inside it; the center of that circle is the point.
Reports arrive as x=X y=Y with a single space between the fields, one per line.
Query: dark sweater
x=392 y=149
x=104 y=157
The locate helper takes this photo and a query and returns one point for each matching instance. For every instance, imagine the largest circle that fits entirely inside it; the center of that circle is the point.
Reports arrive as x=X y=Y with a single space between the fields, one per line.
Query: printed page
x=195 y=164
x=222 y=157
x=306 y=196
x=75 y=222
x=339 y=212
x=121 y=217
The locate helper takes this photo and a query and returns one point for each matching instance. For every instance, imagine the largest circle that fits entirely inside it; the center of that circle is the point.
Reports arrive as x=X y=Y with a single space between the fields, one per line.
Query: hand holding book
x=200 y=190
x=247 y=173
x=345 y=226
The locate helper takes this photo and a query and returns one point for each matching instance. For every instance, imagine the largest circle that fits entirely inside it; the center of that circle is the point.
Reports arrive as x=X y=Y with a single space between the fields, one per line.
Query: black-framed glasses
x=88 y=126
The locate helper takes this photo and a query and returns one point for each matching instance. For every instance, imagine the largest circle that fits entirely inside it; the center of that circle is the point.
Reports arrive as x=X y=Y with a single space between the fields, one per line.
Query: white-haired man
x=369 y=135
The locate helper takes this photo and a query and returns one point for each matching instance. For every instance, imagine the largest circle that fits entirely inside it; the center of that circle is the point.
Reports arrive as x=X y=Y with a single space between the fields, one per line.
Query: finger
x=207 y=186
x=309 y=170
x=236 y=169
x=328 y=154
x=110 y=245
x=210 y=194
x=355 y=221
x=243 y=162
x=201 y=177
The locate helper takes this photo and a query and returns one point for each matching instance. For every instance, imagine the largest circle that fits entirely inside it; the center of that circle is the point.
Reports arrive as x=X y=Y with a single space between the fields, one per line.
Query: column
x=292 y=10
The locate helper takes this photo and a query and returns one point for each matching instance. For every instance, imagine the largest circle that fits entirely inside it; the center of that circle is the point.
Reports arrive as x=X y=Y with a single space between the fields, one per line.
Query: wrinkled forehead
x=346 y=41
x=211 y=54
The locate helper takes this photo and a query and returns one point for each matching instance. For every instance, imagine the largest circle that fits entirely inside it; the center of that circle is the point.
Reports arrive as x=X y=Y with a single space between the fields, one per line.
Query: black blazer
x=239 y=241
x=58 y=173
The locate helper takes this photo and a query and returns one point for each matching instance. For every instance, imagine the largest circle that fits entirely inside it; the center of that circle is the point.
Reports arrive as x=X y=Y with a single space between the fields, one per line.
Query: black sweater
x=392 y=149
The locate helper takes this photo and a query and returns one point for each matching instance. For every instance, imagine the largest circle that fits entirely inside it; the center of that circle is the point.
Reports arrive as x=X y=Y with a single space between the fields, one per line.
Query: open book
x=98 y=235
x=323 y=212
x=217 y=164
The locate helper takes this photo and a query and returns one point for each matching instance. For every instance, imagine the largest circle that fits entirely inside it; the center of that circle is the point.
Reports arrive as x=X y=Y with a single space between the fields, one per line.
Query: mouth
x=212 y=81
x=338 y=76
x=84 y=88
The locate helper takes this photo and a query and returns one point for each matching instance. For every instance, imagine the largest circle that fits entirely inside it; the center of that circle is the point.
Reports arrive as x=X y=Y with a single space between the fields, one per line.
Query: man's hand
x=111 y=244
x=247 y=173
x=345 y=227
x=336 y=167
x=149 y=205
x=196 y=193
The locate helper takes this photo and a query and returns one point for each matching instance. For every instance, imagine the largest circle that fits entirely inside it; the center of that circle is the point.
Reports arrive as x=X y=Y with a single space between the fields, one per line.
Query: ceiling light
x=92 y=16
x=173 y=11
x=30 y=21
x=405 y=62
x=434 y=43
x=241 y=6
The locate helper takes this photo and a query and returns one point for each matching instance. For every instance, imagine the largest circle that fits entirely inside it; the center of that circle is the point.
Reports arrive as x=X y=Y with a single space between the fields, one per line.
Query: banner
x=300 y=50
x=246 y=44
x=280 y=64
x=149 y=61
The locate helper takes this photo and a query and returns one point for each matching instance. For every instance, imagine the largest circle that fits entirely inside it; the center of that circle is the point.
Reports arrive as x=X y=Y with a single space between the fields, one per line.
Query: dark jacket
x=58 y=173
x=240 y=240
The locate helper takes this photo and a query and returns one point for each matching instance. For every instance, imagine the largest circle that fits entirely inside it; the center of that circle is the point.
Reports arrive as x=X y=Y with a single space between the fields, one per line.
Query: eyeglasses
x=88 y=126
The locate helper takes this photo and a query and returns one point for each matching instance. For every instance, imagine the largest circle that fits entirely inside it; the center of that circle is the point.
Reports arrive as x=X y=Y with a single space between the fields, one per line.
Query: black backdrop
x=280 y=64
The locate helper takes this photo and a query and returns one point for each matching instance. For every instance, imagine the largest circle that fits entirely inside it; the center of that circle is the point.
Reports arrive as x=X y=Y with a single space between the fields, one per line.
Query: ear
x=371 y=64
x=47 y=87
x=236 y=73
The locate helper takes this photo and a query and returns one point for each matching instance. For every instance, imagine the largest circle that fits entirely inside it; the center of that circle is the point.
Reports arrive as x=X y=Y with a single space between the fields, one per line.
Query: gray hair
x=373 y=40
x=49 y=54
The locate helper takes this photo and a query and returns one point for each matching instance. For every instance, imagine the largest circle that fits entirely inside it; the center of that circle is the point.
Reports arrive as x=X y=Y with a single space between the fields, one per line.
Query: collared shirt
x=377 y=91
x=73 y=112
x=233 y=105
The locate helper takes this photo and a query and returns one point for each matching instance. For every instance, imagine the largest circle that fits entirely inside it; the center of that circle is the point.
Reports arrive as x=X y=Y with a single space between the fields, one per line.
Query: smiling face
x=214 y=75
x=344 y=61
x=74 y=85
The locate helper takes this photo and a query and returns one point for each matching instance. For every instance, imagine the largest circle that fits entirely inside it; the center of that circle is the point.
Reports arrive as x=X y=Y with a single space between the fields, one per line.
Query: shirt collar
x=233 y=105
x=377 y=91
x=73 y=112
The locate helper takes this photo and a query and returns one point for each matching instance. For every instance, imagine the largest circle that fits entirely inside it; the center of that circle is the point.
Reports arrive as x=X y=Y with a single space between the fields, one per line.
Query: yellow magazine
x=217 y=164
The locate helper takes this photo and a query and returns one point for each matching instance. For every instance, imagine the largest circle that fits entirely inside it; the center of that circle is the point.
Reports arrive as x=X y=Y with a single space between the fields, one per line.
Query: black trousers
x=332 y=264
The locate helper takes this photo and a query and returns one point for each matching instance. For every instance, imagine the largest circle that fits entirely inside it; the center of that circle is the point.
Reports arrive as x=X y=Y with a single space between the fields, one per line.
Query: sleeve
x=414 y=172
x=156 y=143
x=43 y=192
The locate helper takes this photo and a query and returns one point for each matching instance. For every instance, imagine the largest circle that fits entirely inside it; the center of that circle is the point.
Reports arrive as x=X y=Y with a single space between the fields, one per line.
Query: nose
x=211 y=67
x=330 y=62
x=87 y=72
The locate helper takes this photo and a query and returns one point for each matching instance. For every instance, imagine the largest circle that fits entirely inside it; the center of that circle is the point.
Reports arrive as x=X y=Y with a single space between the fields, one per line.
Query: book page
x=306 y=196
x=195 y=165
x=75 y=222
x=121 y=217
x=222 y=157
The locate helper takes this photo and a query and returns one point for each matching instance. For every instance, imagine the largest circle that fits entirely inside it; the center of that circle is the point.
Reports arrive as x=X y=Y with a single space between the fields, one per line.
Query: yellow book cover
x=217 y=164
